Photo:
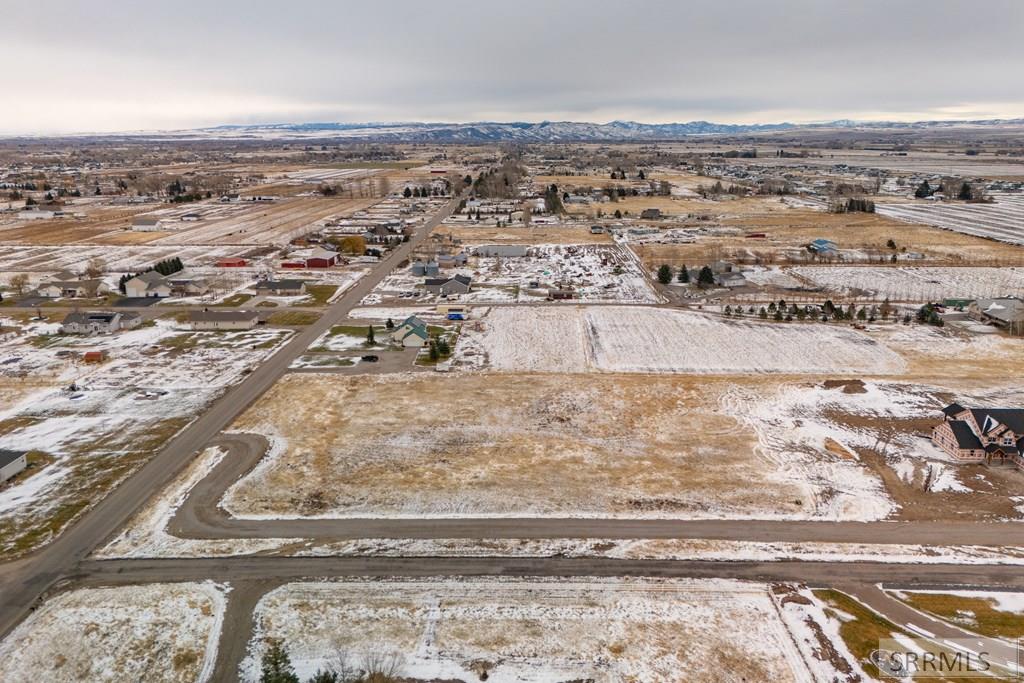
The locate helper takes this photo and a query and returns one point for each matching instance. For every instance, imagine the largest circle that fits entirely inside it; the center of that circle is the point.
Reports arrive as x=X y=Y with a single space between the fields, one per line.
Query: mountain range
x=548 y=131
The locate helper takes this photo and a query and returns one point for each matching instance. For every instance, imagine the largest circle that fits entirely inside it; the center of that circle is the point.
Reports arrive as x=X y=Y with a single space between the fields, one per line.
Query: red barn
x=321 y=258
x=232 y=263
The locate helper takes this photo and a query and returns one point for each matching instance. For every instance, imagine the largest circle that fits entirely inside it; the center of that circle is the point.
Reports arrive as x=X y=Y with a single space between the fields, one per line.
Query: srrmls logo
x=966 y=658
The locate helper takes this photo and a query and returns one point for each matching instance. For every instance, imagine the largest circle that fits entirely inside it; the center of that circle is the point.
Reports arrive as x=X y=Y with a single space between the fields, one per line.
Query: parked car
x=370 y=358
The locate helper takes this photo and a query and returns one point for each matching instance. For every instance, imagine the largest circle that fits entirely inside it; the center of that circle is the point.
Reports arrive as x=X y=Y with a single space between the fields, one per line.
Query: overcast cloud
x=73 y=66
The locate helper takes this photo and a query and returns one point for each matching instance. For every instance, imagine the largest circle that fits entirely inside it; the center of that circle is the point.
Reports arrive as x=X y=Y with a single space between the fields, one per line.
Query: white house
x=222 y=320
x=147 y=223
x=11 y=463
x=98 y=322
x=77 y=289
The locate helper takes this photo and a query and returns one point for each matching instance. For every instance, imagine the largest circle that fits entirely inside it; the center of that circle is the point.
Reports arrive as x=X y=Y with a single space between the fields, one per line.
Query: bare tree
x=95 y=268
x=18 y=282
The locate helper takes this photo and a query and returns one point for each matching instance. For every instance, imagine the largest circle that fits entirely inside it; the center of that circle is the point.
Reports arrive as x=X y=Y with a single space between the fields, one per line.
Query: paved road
x=200 y=517
x=23 y=583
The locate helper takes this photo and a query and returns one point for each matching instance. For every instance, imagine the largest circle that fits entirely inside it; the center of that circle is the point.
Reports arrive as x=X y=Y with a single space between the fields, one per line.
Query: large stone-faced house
x=988 y=435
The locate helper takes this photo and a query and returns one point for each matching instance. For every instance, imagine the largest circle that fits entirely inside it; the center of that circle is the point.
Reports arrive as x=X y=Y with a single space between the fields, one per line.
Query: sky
x=71 y=66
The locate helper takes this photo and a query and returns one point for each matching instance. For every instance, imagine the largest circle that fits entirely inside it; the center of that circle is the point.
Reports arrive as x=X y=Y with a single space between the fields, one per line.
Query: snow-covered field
x=97 y=421
x=155 y=632
x=117 y=260
x=1002 y=220
x=530 y=630
x=913 y=284
x=635 y=339
x=595 y=272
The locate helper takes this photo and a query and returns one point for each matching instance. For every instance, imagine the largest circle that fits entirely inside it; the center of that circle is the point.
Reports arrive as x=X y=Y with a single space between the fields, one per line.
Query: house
x=146 y=223
x=502 y=250
x=77 y=289
x=281 y=287
x=321 y=258
x=98 y=322
x=1005 y=312
x=981 y=435
x=560 y=294
x=823 y=246
x=459 y=284
x=232 y=263
x=94 y=356
x=718 y=267
x=411 y=333
x=11 y=464
x=730 y=280
x=650 y=214
x=596 y=229
x=222 y=320
x=148 y=284
x=187 y=286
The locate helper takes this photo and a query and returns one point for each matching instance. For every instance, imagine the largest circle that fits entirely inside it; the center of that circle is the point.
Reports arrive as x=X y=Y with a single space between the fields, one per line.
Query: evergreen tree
x=778 y=315
x=406 y=193
x=369 y=336
x=762 y=314
x=618 y=214
x=390 y=324
x=965 y=192
x=665 y=274
x=433 y=353
x=706 y=277
x=923 y=190
x=862 y=314
x=442 y=347
x=728 y=310
x=322 y=676
x=276 y=666
x=684 y=274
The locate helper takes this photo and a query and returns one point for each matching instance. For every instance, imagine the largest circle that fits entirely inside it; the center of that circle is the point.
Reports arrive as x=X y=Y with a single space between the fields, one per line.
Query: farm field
x=155 y=632
x=94 y=424
x=520 y=630
x=121 y=259
x=634 y=339
x=914 y=284
x=1002 y=220
x=267 y=223
x=790 y=226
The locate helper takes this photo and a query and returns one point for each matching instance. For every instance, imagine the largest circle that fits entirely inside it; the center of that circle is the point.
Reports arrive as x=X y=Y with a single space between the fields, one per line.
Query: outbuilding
x=11 y=464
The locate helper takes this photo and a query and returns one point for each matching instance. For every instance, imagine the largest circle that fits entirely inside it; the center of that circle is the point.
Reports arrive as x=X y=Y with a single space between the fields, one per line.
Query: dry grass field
x=101 y=222
x=493 y=445
x=602 y=631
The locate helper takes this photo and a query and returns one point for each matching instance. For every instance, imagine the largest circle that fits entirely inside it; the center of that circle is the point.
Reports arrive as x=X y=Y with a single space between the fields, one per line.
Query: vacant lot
x=99 y=422
x=634 y=339
x=603 y=631
x=157 y=632
x=618 y=445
